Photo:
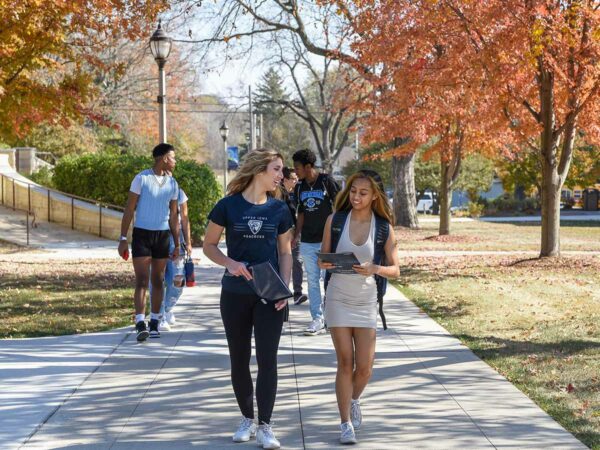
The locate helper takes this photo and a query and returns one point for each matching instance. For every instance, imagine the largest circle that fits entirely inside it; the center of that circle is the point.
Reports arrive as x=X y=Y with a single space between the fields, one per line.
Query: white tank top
x=354 y=284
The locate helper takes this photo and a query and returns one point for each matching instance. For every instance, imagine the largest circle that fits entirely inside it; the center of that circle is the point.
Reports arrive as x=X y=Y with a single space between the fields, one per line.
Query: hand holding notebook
x=267 y=283
x=342 y=262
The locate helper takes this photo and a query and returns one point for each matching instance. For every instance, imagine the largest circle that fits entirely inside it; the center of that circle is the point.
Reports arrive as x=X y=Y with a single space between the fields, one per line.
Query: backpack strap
x=382 y=232
x=337 y=226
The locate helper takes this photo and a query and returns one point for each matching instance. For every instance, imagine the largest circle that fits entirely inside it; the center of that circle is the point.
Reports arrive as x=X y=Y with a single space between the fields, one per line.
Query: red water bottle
x=190 y=279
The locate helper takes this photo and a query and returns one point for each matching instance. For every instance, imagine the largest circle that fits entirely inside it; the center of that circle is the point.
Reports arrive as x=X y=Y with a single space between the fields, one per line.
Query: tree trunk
x=551 y=182
x=405 y=198
x=551 y=188
x=445 y=199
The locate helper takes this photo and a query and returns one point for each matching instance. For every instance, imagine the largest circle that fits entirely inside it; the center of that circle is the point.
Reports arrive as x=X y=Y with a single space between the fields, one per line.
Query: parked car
x=425 y=203
x=390 y=195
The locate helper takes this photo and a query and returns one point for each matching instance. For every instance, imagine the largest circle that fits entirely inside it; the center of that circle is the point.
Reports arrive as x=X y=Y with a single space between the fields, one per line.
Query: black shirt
x=290 y=199
x=316 y=201
x=251 y=233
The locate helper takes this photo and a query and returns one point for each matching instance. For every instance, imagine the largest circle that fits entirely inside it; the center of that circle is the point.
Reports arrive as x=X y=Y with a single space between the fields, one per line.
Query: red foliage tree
x=490 y=74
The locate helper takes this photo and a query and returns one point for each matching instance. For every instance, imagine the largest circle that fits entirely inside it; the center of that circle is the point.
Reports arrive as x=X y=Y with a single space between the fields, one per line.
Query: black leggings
x=241 y=313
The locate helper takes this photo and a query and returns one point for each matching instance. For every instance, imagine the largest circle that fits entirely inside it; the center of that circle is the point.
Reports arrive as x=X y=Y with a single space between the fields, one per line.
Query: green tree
x=476 y=175
x=524 y=171
x=283 y=130
x=585 y=167
x=370 y=158
x=521 y=173
x=427 y=174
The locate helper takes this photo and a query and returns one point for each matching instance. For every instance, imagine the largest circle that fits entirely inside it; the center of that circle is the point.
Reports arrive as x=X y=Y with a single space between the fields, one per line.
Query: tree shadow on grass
x=416 y=275
x=502 y=347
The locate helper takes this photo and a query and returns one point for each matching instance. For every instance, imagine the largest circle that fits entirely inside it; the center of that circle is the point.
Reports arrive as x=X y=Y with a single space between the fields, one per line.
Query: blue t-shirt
x=251 y=233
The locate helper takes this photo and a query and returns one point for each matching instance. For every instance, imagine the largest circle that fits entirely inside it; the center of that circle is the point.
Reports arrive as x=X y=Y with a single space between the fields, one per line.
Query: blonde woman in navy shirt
x=257 y=229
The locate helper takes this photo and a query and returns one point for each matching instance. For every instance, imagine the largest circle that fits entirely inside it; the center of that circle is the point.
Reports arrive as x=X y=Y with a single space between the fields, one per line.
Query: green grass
x=50 y=299
x=487 y=236
x=535 y=321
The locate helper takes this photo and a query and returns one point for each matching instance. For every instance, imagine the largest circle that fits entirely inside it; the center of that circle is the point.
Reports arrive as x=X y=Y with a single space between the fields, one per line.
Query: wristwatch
x=123 y=238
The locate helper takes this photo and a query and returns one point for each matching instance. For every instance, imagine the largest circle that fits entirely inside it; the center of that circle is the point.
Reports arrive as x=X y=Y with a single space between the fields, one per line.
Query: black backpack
x=382 y=231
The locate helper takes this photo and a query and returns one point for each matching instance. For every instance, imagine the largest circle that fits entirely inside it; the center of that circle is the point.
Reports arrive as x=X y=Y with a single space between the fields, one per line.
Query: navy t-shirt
x=251 y=233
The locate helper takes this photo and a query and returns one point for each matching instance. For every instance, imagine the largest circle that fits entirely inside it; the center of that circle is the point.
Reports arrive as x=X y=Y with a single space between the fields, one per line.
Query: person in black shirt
x=257 y=229
x=316 y=197
x=290 y=179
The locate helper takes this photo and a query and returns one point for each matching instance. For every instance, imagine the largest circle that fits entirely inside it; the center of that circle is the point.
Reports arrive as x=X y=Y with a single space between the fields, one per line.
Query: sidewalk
x=565 y=216
x=106 y=391
x=52 y=237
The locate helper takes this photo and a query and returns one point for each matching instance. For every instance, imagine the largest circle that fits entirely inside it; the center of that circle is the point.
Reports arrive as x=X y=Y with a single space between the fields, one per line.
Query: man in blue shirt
x=315 y=195
x=153 y=198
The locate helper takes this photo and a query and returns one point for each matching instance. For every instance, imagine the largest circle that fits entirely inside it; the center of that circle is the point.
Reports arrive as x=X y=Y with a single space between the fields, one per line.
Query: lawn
x=535 y=321
x=64 y=297
x=486 y=236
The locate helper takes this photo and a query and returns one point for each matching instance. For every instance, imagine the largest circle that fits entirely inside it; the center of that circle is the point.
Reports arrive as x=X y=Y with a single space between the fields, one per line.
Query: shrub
x=475 y=209
x=107 y=178
x=508 y=204
x=200 y=185
x=43 y=176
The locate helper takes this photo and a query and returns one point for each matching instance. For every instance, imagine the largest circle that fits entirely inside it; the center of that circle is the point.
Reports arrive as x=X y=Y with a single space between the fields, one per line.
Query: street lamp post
x=160 y=46
x=224 y=130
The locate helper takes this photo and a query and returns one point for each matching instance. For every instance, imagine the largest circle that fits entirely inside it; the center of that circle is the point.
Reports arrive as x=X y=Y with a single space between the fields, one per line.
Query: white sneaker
x=245 y=431
x=355 y=414
x=266 y=438
x=347 y=435
x=164 y=325
x=170 y=318
x=317 y=326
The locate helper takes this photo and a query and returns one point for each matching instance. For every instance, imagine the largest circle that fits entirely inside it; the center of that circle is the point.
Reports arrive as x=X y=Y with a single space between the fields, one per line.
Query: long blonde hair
x=253 y=163
x=381 y=206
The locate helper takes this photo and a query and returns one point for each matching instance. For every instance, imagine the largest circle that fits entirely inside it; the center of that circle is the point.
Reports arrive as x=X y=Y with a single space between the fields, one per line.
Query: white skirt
x=351 y=301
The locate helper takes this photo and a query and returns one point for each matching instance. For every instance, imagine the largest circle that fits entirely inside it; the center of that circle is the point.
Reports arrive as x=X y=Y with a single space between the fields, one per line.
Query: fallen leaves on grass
x=453 y=239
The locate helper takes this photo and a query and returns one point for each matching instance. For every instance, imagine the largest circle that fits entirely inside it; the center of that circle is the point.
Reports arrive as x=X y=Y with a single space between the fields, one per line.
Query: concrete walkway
x=106 y=391
x=50 y=236
x=565 y=216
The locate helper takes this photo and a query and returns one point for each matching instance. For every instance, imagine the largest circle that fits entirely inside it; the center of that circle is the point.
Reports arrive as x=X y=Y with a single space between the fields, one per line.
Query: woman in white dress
x=351 y=299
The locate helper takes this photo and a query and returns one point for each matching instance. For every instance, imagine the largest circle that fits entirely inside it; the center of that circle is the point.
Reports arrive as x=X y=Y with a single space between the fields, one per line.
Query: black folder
x=343 y=262
x=267 y=283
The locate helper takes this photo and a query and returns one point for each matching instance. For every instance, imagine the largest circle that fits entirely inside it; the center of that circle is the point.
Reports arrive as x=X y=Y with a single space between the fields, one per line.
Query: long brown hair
x=253 y=163
x=381 y=206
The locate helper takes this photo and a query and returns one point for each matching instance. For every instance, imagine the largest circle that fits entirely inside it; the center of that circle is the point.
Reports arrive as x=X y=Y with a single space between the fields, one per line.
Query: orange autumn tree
x=47 y=53
x=542 y=62
x=535 y=64
x=421 y=91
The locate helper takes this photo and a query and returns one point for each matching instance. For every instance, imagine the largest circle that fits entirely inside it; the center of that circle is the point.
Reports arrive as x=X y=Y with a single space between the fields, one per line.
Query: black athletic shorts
x=150 y=243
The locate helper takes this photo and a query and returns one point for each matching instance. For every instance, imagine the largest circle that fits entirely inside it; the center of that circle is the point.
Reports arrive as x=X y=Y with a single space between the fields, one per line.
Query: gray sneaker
x=347 y=435
x=317 y=326
x=245 y=431
x=266 y=437
x=355 y=414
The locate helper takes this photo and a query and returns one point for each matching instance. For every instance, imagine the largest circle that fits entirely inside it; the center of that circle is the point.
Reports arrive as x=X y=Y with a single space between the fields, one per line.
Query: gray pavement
x=104 y=390
x=565 y=216
x=49 y=236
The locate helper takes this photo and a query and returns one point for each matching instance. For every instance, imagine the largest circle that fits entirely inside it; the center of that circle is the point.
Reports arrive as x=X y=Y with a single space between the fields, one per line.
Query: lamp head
x=224 y=130
x=160 y=45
